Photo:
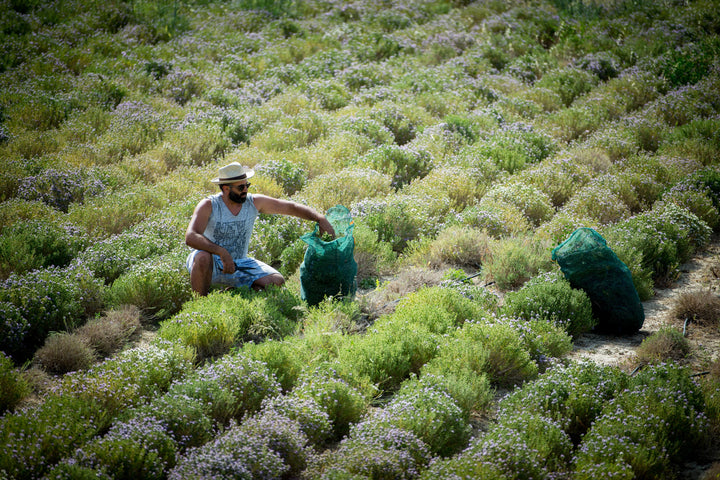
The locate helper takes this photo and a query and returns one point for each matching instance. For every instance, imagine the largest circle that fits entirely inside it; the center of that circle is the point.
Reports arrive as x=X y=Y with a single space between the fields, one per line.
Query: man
x=220 y=229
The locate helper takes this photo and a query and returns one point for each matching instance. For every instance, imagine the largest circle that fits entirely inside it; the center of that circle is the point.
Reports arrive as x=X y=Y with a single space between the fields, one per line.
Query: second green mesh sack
x=588 y=263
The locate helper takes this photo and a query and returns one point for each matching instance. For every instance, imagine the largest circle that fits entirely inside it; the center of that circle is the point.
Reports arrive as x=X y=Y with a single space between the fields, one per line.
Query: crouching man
x=220 y=229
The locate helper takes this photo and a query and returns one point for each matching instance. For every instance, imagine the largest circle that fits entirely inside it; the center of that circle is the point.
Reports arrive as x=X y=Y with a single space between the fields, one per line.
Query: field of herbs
x=468 y=139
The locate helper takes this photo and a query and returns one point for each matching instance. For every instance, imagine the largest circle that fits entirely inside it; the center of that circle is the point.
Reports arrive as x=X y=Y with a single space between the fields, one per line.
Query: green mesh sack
x=329 y=267
x=588 y=263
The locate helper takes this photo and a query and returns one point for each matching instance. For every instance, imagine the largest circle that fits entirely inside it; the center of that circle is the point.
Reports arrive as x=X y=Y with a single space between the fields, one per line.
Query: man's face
x=238 y=191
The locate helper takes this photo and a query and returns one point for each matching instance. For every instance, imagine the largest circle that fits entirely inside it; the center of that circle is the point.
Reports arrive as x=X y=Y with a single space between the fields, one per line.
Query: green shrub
x=513 y=261
x=403 y=123
x=646 y=429
x=138 y=448
x=301 y=130
x=111 y=257
x=462 y=185
x=428 y=412
x=184 y=419
x=597 y=202
x=569 y=83
x=129 y=379
x=497 y=219
x=533 y=203
x=515 y=147
x=290 y=176
x=43 y=301
x=388 y=353
x=313 y=420
x=374 y=449
x=458 y=246
x=34 y=244
x=401 y=218
x=573 y=396
x=57 y=427
x=698 y=202
x=558 y=178
x=343 y=403
x=283 y=435
x=13 y=387
x=158 y=286
x=374 y=257
x=60 y=188
x=550 y=297
x=344 y=188
x=273 y=233
x=666 y=236
x=402 y=164
x=285 y=358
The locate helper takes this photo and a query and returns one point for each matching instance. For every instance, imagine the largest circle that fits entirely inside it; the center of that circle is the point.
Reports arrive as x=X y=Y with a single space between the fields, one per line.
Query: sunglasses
x=242 y=187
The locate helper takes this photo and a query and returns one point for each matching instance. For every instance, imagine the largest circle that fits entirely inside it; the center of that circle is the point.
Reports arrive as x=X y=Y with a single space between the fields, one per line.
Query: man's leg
x=272 y=279
x=201 y=272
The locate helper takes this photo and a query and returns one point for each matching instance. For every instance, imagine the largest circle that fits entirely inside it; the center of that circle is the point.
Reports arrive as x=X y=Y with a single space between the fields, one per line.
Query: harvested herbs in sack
x=329 y=268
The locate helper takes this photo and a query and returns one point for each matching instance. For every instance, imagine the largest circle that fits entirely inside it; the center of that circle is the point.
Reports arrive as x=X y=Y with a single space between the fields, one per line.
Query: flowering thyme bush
x=159 y=286
x=56 y=427
x=647 y=428
x=137 y=448
x=573 y=396
x=42 y=301
x=343 y=403
x=375 y=448
x=550 y=297
x=33 y=244
x=59 y=188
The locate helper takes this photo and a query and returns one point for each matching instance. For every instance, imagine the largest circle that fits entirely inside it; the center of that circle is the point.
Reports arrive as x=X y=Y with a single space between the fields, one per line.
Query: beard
x=237 y=198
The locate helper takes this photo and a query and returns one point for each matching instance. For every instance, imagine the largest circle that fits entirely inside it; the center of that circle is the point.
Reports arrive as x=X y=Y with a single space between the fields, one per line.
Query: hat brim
x=222 y=181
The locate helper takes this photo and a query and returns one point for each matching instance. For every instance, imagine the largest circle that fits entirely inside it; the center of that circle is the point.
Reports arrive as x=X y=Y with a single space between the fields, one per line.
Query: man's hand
x=326 y=227
x=228 y=262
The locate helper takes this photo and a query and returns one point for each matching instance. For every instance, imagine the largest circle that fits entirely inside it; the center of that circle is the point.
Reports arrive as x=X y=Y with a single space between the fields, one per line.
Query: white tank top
x=232 y=232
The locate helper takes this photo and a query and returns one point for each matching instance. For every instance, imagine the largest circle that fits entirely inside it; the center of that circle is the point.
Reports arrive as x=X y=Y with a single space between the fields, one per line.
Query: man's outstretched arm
x=271 y=205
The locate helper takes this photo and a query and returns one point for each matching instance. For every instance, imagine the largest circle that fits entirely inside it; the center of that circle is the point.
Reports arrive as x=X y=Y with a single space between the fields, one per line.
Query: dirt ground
x=702 y=272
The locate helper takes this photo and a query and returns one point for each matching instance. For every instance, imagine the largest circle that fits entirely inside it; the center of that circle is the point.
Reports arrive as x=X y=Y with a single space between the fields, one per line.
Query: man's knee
x=202 y=261
x=272 y=279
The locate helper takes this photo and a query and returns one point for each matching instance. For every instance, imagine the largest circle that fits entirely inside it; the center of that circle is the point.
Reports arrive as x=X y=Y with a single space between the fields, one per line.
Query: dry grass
x=382 y=301
x=699 y=306
x=111 y=332
x=64 y=352
x=665 y=344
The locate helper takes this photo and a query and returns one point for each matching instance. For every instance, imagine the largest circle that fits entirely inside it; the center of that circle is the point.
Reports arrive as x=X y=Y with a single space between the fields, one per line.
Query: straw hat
x=232 y=173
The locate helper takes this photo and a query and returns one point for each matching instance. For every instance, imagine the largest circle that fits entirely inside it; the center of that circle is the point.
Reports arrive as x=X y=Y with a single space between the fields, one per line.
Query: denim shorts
x=247 y=270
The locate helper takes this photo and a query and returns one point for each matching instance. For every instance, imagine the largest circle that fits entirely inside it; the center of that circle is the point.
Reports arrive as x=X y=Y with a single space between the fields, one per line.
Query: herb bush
x=666 y=236
x=399 y=219
x=342 y=402
x=113 y=256
x=647 y=428
x=129 y=379
x=550 y=297
x=64 y=352
x=159 y=286
x=402 y=164
x=13 y=387
x=533 y=203
x=59 y=188
x=57 y=426
x=373 y=449
x=343 y=188
x=515 y=260
x=573 y=396
x=498 y=219
x=234 y=454
x=42 y=301
x=34 y=244
x=137 y=448
x=312 y=419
